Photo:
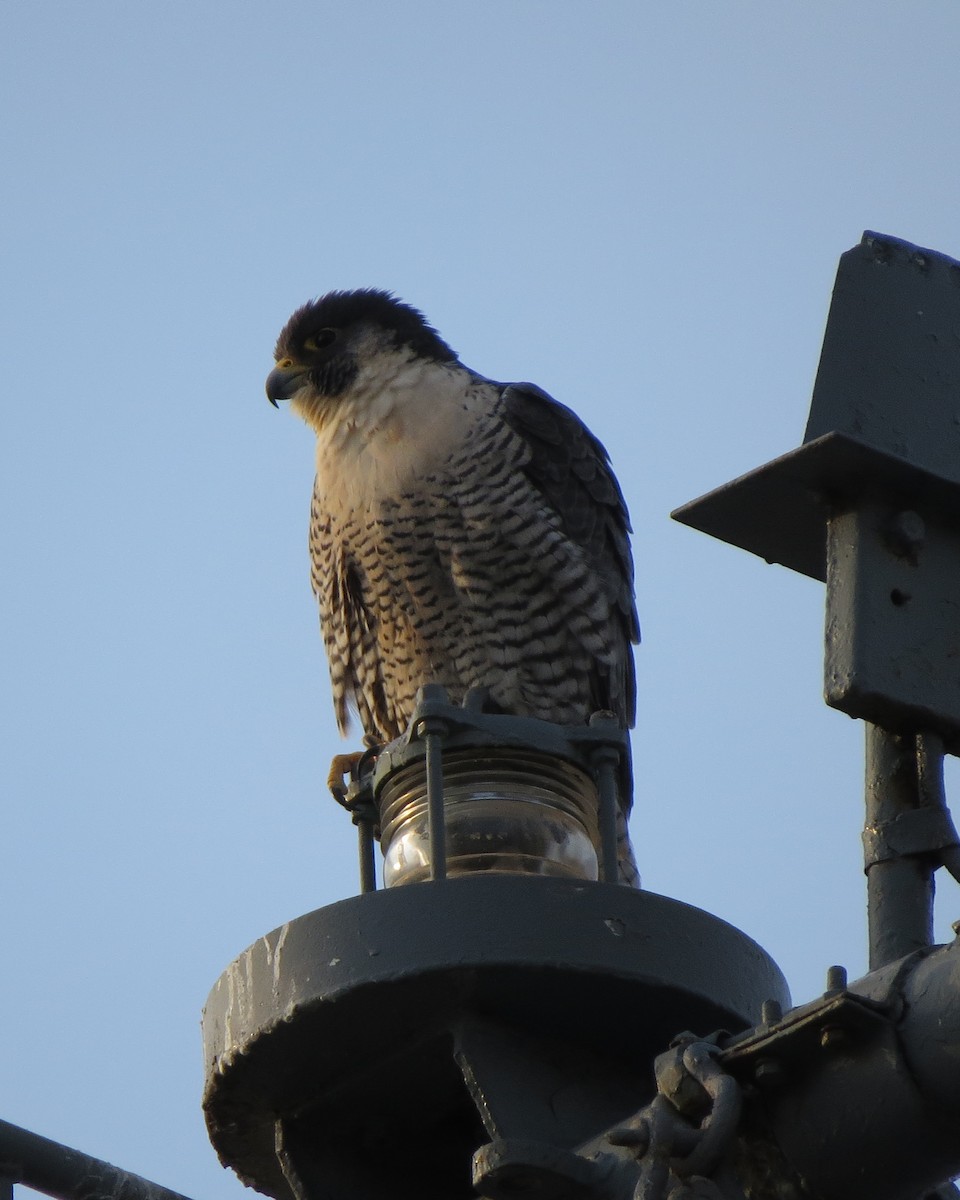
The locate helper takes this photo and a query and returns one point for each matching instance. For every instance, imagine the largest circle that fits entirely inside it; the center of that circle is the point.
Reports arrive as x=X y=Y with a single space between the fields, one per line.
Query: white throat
x=403 y=418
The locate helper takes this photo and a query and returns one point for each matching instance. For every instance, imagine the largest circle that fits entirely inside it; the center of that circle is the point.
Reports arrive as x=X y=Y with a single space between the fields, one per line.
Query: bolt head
x=905 y=534
x=768 y=1071
x=833 y=1036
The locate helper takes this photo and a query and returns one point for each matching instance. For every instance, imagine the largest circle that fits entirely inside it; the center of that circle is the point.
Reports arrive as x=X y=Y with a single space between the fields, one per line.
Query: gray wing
x=571 y=469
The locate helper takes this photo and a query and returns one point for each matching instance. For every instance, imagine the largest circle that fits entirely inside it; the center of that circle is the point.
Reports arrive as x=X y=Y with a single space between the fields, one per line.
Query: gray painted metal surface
x=871 y=504
x=889 y=371
x=57 y=1170
x=871 y=501
x=885 y=411
x=542 y=1078
x=892 y=647
x=865 y=1103
x=903 y=831
x=428 y=1018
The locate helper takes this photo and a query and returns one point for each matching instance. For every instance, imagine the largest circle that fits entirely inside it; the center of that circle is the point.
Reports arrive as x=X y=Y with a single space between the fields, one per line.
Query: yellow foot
x=342 y=773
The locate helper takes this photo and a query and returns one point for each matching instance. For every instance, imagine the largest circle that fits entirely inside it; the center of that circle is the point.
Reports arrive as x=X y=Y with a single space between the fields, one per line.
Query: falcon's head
x=324 y=345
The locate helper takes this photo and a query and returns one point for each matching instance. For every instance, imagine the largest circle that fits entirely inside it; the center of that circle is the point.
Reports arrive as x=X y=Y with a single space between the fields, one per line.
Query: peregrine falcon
x=462 y=532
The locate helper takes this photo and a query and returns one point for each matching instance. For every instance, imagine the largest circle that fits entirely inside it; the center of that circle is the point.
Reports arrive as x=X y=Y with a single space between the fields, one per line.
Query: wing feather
x=571 y=469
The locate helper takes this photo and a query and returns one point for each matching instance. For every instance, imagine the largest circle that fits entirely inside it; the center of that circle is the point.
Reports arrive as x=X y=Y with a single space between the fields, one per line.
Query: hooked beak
x=284 y=381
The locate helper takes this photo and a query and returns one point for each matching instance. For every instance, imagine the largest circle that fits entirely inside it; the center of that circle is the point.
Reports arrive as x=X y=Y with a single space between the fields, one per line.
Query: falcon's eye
x=321 y=340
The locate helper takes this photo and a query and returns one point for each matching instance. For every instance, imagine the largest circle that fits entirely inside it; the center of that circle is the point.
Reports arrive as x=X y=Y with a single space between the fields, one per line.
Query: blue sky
x=637 y=206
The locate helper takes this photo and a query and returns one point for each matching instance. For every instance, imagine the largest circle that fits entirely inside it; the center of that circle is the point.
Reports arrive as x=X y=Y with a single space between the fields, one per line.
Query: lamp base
x=371 y=1047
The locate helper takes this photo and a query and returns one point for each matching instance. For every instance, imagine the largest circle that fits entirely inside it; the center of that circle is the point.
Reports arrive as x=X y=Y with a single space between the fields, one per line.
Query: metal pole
x=607 y=761
x=436 y=824
x=57 y=1170
x=899 y=889
x=368 y=870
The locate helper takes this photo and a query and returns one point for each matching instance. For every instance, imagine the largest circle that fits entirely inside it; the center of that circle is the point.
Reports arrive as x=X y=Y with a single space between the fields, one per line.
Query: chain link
x=683 y=1134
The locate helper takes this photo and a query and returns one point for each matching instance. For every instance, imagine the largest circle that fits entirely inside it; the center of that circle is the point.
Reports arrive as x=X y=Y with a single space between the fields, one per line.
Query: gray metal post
x=870 y=503
x=899 y=889
x=367 y=855
x=436 y=819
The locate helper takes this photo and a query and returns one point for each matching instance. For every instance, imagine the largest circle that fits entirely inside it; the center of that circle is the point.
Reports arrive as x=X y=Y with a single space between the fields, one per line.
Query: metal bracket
x=601 y=749
x=871 y=501
x=917 y=831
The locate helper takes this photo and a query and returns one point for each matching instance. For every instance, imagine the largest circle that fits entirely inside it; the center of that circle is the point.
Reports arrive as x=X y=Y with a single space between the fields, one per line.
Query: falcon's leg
x=342 y=772
x=345 y=769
